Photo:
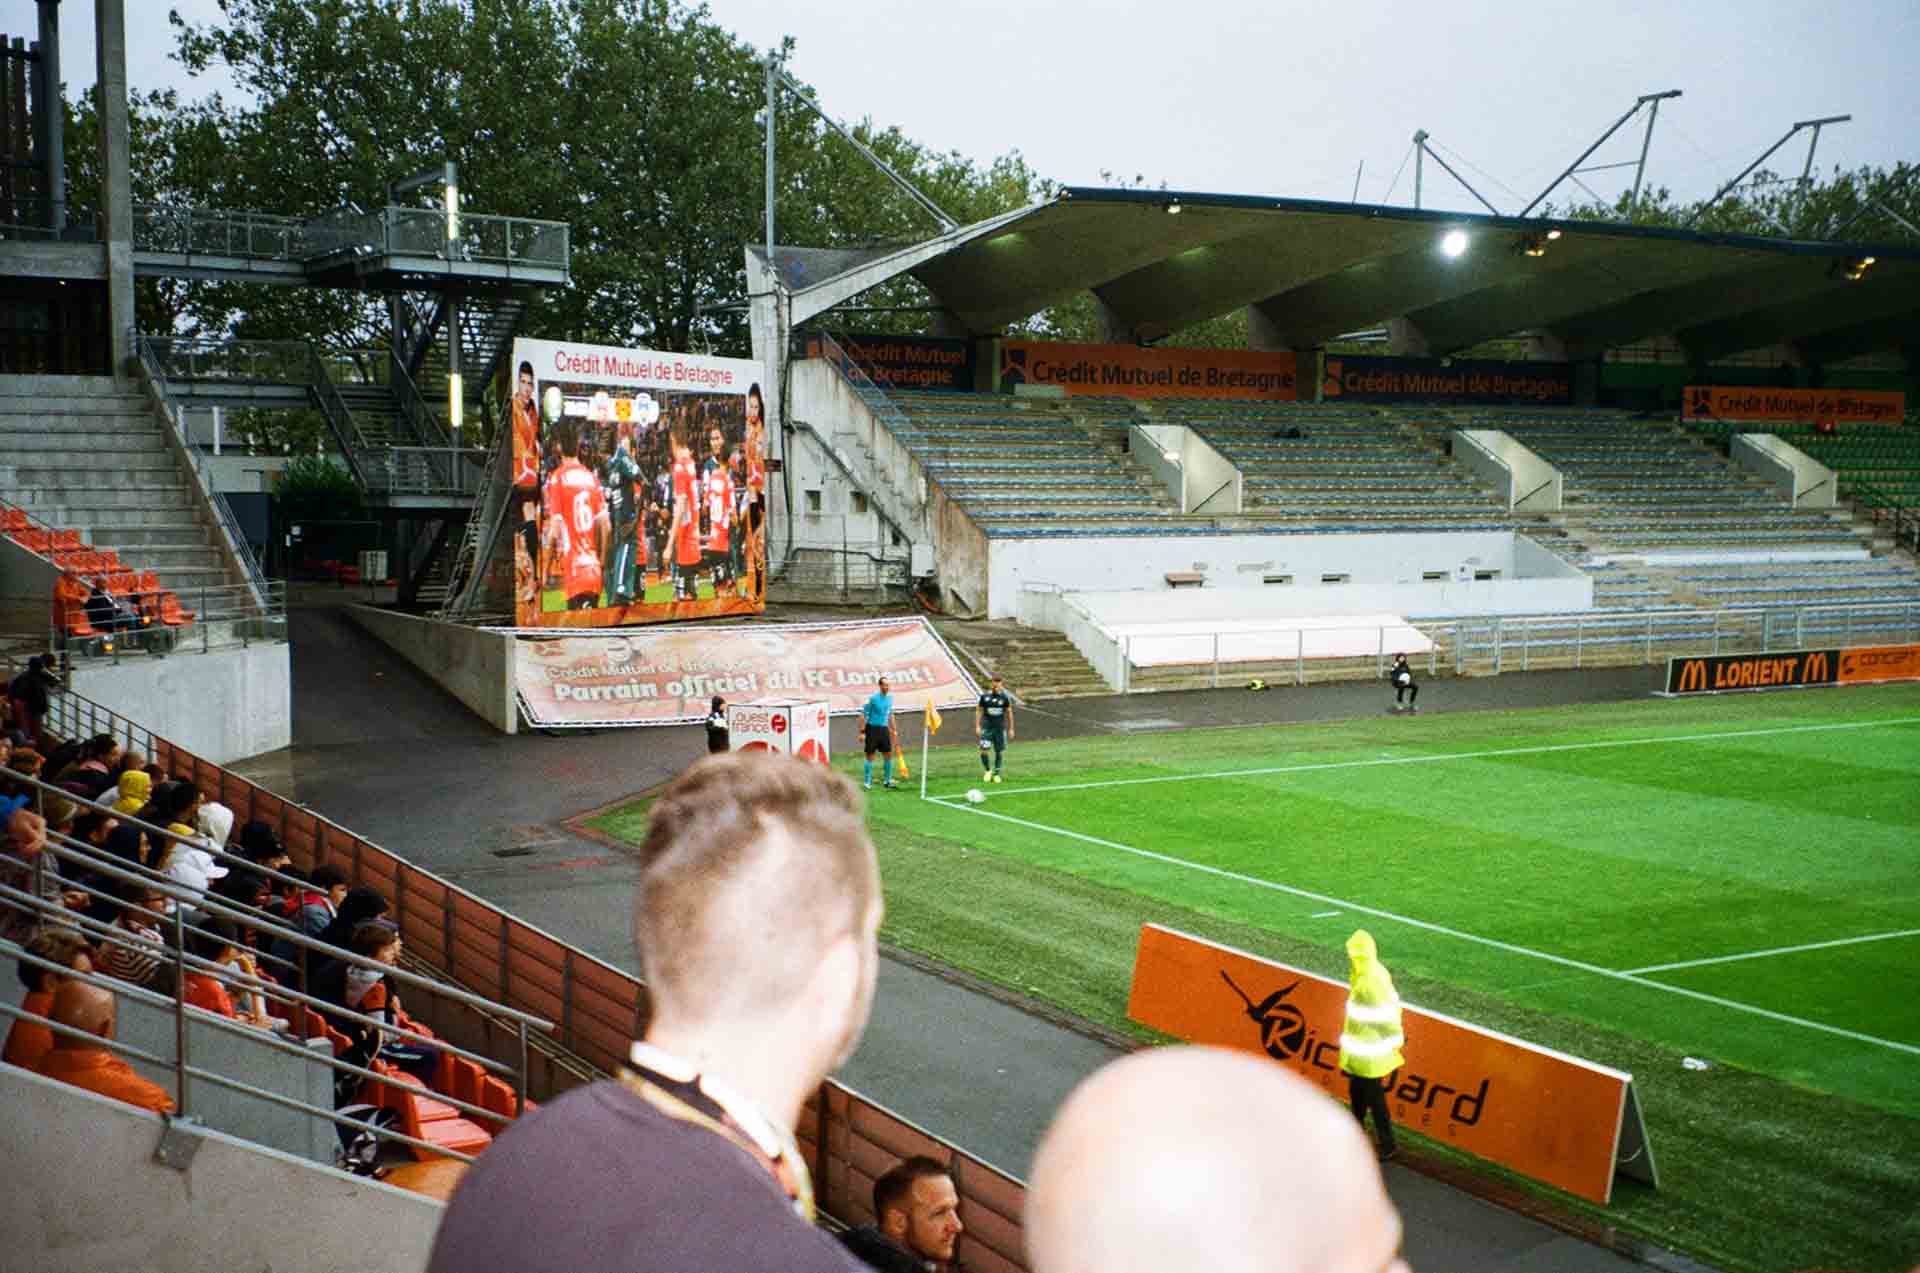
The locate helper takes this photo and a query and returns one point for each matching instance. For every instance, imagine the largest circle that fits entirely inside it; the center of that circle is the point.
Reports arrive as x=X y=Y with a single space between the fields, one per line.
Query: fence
x=595 y=1009
x=1488 y=646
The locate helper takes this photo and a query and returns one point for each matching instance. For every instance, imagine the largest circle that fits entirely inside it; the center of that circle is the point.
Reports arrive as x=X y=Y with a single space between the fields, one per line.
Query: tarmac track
x=380 y=748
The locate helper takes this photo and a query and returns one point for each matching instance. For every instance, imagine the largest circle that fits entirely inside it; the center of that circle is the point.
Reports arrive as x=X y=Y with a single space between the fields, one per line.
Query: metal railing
x=393 y=231
x=1491 y=645
x=223 y=615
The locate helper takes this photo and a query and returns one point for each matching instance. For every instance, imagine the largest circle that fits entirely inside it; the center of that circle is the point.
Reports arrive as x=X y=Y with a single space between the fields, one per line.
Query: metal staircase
x=466 y=581
x=487 y=326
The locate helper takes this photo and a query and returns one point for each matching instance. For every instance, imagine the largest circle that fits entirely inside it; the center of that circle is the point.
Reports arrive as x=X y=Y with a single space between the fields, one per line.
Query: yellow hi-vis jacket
x=1371 y=1039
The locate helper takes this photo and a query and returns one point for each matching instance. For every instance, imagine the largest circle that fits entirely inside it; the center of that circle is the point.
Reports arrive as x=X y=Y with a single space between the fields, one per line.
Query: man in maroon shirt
x=755 y=919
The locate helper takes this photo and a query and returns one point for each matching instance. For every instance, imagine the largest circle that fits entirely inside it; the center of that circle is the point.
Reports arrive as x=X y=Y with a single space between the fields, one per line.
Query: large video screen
x=639 y=485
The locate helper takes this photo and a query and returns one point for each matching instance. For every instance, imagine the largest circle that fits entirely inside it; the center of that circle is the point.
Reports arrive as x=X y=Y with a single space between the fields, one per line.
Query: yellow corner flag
x=933 y=717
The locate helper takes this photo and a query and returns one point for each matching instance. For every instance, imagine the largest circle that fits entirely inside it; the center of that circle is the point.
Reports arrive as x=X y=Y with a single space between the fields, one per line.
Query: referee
x=877 y=713
x=993 y=721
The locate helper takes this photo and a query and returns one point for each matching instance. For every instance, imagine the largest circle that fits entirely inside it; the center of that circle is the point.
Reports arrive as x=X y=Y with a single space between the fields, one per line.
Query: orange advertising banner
x=1134 y=371
x=1542 y=1113
x=1841 y=406
x=666 y=676
x=1866 y=664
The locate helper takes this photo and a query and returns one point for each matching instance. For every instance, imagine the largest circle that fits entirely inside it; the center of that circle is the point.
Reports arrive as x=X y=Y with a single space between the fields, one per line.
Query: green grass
x=554 y=600
x=1797 y=1148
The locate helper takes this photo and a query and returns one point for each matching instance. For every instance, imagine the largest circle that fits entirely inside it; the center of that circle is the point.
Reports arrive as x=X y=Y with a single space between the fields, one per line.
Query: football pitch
x=1733 y=880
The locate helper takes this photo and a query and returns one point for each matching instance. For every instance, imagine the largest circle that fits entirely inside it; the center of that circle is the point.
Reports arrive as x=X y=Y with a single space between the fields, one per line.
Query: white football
x=975 y=795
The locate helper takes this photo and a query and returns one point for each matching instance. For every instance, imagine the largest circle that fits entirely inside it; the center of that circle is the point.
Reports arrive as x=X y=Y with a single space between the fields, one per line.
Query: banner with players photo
x=639 y=485
x=666 y=676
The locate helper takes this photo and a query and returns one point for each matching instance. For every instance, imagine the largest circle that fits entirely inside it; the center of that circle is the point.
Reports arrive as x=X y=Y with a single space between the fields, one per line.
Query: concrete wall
x=475 y=667
x=1240 y=562
x=822 y=397
x=26 y=589
x=25 y=258
x=1526 y=482
x=1214 y=483
x=1796 y=477
x=1066 y=613
x=86 y=1195
x=1200 y=479
x=224 y=705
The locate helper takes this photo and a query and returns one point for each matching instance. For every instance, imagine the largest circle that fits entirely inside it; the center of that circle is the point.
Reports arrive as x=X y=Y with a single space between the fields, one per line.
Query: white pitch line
x=1442 y=929
x=1457 y=755
x=1777 y=950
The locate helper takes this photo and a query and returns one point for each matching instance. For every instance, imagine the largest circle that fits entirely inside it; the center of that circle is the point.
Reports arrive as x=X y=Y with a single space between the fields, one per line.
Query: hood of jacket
x=1360 y=948
x=135 y=785
x=216 y=823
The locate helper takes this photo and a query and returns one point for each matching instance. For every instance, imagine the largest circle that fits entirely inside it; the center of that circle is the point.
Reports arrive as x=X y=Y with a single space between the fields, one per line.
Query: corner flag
x=933 y=718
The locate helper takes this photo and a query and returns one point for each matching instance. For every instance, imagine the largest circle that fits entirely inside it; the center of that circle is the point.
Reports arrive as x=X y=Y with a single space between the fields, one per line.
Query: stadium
x=1539 y=593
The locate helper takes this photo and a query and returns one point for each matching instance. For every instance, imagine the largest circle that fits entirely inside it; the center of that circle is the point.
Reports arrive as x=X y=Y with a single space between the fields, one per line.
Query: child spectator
x=218 y=941
x=136 y=951
x=135 y=788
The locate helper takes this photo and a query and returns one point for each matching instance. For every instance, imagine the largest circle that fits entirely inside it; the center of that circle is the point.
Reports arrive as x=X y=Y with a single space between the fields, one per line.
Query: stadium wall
x=1380 y=572
x=87 y=1195
x=224 y=704
x=472 y=664
x=820 y=395
x=26 y=589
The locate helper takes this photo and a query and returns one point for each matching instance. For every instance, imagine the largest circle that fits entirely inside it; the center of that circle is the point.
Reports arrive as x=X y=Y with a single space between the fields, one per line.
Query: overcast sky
x=1257 y=97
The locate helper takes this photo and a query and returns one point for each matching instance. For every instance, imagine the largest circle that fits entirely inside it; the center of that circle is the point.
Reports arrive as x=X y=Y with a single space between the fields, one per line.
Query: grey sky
x=1250 y=96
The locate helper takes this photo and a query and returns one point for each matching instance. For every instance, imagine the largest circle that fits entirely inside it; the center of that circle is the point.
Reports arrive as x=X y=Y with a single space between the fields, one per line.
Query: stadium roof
x=1159 y=260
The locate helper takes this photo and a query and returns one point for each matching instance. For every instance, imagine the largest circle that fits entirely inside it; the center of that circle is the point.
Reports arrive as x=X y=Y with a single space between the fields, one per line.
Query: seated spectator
x=359 y=905
x=132 y=760
x=370 y=992
x=315 y=908
x=26 y=840
x=105 y=611
x=128 y=843
x=137 y=951
x=260 y=846
x=93 y=771
x=84 y=1063
x=28 y=1041
x=1200 y=1158
x=189 y=864
x=25 y=763
x=218 y=941
x=135 y=788
x=916 y=1214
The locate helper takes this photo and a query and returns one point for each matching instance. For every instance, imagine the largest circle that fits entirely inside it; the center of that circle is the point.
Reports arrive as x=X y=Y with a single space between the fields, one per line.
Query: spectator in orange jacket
x=28 y=1041
x=78 y=1060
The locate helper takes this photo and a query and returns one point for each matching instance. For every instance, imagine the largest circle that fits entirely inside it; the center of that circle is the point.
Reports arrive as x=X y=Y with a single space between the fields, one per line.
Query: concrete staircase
x=87 y=453
x=1037 y=664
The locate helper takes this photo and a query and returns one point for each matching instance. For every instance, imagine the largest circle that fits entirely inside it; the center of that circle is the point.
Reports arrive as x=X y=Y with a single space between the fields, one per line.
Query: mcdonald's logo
x=1721 y=673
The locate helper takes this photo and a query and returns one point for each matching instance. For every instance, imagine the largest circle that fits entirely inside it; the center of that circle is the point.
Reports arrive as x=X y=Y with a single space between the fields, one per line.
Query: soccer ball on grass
x=976 y=796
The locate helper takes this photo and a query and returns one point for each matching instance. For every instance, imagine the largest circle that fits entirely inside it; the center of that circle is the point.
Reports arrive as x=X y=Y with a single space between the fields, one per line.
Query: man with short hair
x=916 y=1219
x=1201 y=1158
x=993 y=722
x=78 y=1060
x=876 y=716
x=755 y=919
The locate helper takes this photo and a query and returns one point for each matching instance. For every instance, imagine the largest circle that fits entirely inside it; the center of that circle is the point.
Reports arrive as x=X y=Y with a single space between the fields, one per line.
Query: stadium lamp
x=1454 y=244
x=1552 y=235
x=1173 y=208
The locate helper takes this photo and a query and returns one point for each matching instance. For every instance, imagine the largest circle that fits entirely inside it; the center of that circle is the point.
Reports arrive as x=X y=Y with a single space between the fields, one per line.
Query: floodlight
x=1552 y=234
x=1454 y=244
x=1173 y=209
x=1867 y=260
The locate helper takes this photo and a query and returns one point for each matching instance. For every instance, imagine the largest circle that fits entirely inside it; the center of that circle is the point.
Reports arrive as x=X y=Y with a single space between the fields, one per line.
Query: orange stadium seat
x=34 y=541
x=68 y=539
x=13 y=519
x=168 y=605
x=422 y=1117
x=70 y=608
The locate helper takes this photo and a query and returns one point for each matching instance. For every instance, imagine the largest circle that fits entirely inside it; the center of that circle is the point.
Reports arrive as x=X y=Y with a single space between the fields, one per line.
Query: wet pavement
x=379 y=748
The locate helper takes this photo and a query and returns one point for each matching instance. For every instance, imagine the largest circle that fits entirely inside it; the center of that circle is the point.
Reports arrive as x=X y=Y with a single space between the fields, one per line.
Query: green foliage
x=316 y=486
x=1865 y=205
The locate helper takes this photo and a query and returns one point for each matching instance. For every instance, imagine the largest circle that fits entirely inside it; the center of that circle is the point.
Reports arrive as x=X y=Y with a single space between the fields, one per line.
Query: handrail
x=224 y=520
x=388 y=231
x=339 y=416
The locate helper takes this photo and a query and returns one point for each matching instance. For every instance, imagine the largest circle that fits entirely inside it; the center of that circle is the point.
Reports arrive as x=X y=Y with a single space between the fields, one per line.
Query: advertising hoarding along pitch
x=1785 y=669
x=664 y=676
x=639 y=485
x=1133 y=371
x=1838 y=406
x=1554 y=1117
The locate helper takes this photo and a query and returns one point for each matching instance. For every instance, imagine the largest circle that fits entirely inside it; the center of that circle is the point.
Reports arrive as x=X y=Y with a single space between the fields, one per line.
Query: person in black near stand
x=717 y=738
x=1405 y=688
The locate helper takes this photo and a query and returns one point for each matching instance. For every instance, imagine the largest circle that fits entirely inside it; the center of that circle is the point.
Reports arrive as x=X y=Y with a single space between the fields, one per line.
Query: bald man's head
x=1207 y=1159
x=83 y=1007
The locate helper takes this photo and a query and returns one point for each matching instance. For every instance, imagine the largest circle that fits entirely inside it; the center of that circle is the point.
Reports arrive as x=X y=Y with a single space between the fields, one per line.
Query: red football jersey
x=719 y=507
x=686 y=531
x=576 y=504
x=756 y=467
x=526 y=444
